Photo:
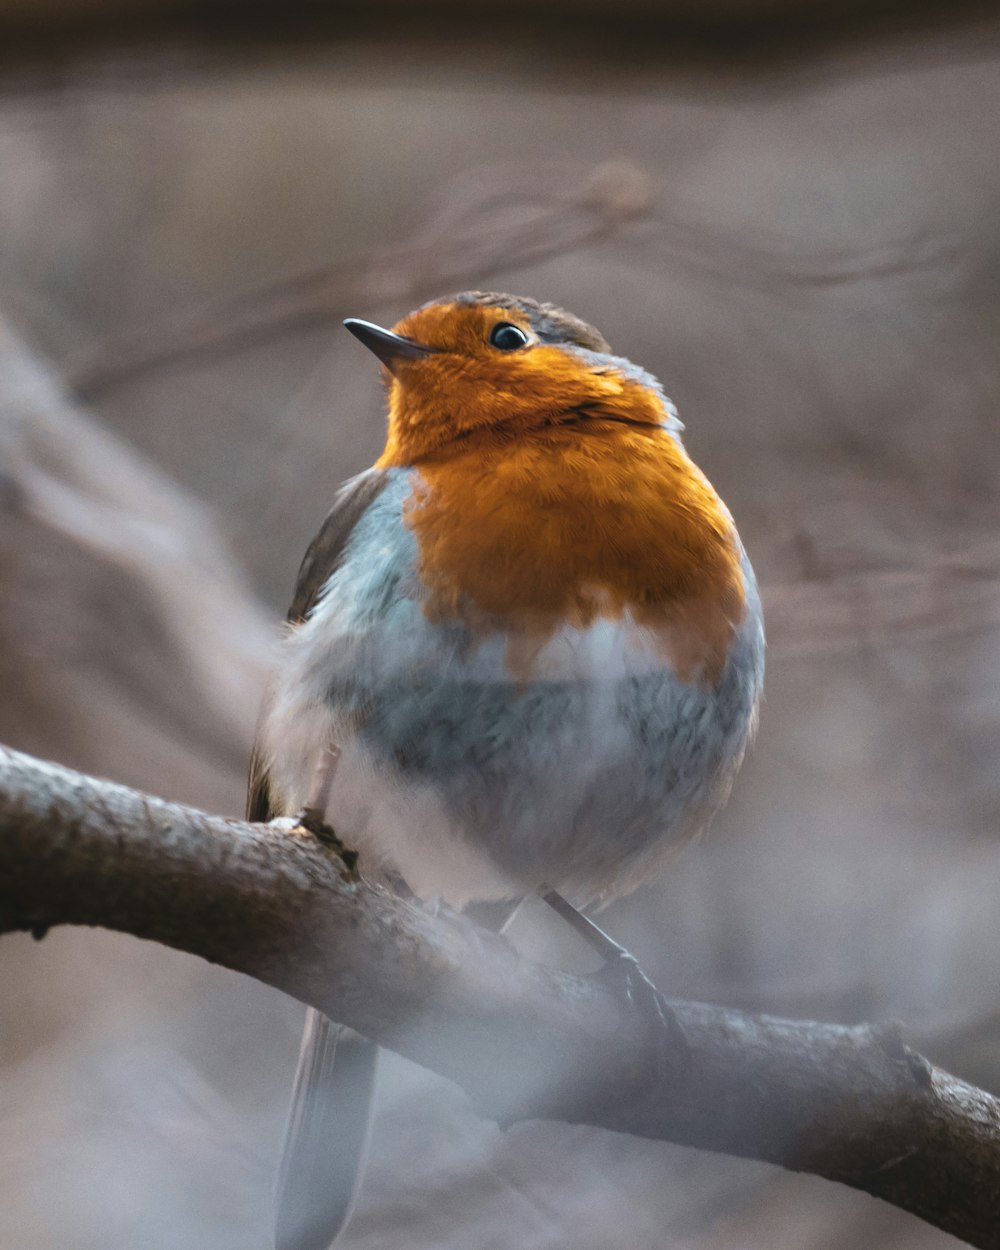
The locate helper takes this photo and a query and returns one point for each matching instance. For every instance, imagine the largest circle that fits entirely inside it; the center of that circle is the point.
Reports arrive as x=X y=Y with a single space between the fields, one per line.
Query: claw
x=312 y=821
x=627 y=979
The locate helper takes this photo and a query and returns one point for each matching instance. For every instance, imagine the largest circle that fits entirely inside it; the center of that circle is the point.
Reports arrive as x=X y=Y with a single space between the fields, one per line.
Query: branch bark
x=851 y=1104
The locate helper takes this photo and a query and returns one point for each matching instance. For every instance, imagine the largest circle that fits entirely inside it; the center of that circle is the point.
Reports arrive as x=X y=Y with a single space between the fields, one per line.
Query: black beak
x=388 y=347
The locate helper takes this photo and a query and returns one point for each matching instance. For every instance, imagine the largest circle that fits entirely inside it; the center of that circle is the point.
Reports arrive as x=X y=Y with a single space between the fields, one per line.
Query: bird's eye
x=507 y=338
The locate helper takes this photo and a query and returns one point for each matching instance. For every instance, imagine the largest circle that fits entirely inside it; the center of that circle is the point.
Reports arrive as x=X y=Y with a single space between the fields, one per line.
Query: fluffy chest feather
x=581 y=522
x=472 y=780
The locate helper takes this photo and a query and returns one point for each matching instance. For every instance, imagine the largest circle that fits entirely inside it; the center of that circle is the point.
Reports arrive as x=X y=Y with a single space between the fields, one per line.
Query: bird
x=524 y=656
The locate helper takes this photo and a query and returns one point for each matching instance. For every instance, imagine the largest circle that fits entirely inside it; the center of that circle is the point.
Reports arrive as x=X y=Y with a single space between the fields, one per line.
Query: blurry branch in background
x=853 y=1105
x=648 y=30
x=123 y=618
x=852 y=610
x=496 y=218
x=499 y=220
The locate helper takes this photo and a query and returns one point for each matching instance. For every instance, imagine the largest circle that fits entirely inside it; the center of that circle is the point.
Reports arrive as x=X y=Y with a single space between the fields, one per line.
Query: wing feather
x=323 y=557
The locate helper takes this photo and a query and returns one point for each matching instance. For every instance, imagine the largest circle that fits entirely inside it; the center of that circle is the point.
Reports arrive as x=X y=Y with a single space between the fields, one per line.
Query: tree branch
x=853 y=1105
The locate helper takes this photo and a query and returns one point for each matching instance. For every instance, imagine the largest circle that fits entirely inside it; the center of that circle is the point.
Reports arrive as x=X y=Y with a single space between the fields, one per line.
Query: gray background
x=805 y=249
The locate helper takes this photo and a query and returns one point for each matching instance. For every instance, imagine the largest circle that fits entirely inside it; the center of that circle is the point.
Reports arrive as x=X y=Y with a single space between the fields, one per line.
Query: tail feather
x=326 y=1140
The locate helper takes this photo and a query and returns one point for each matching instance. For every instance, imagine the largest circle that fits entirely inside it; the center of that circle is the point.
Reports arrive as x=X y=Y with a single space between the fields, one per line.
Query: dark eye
x=507 y=338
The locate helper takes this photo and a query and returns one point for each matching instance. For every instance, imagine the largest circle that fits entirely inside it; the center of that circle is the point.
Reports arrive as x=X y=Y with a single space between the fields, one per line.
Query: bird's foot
x=625 y=978
x=313 y=821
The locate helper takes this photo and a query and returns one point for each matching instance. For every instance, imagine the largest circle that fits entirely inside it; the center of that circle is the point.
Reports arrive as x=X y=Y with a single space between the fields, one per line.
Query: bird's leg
x=312 y=816
x=627 y=978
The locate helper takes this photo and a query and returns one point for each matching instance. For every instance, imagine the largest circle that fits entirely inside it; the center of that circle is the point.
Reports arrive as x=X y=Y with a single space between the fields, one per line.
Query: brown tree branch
x=853 y=1105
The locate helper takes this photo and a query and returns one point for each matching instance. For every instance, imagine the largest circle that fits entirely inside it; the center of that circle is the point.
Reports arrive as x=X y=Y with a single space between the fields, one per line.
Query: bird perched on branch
x=525 y=656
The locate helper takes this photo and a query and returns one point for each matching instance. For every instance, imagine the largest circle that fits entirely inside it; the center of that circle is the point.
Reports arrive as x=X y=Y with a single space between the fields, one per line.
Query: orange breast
x=529 y=531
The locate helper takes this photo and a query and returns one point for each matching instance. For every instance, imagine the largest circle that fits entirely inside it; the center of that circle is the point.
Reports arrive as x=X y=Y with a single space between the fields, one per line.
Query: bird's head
x=497 y=366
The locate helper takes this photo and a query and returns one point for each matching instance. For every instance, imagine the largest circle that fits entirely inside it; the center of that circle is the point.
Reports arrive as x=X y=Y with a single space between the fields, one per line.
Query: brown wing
x=322 y=559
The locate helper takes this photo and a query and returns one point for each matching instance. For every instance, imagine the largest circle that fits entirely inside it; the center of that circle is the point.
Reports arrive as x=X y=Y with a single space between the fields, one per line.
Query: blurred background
x=791 y=214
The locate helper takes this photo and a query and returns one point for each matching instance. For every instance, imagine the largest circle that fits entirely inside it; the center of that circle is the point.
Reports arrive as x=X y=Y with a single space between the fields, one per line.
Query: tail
x=326 y=1140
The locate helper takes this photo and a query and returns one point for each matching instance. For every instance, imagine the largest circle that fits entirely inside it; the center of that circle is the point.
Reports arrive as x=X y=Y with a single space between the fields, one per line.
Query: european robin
x=525 y=656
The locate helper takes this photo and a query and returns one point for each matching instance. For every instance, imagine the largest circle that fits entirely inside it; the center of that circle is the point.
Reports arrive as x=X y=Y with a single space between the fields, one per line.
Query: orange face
x=468 y=384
